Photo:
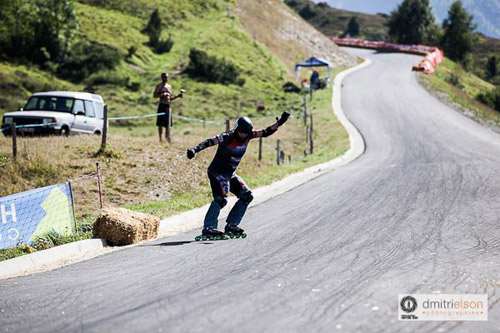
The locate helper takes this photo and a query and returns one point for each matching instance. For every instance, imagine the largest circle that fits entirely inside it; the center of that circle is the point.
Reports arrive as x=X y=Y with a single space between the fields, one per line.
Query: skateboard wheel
x=197 y=238
x=203 y=238
x=243 y=235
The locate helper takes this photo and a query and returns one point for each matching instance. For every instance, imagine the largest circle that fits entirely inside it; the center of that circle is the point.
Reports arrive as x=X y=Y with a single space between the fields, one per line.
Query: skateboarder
x=222 y=173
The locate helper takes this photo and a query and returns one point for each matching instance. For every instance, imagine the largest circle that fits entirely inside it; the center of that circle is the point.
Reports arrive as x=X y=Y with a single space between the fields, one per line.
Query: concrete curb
x=53 y=258
x=83 y=250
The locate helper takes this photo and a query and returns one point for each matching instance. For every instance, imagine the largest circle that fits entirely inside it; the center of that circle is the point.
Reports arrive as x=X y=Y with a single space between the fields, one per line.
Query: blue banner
x=27 y=215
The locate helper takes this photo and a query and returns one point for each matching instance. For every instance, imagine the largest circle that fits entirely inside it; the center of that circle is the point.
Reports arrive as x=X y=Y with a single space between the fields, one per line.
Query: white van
x=58 y=112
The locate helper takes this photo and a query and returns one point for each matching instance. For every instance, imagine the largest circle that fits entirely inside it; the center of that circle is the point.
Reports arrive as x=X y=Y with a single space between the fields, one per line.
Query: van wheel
x=97 y=132
x=64 y=131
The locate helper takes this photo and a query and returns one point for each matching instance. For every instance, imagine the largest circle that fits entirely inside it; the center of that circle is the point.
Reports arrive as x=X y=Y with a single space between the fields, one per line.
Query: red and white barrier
x=433 y=55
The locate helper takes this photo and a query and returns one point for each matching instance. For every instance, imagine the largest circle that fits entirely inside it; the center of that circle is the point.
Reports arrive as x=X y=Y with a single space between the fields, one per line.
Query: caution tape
x=10 y=127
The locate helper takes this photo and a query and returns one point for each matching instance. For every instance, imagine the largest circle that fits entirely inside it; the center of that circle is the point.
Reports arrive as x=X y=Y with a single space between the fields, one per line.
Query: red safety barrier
x=433 y=55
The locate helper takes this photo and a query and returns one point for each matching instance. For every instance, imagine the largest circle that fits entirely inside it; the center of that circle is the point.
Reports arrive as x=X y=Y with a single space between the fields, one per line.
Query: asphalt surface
x=417 y=213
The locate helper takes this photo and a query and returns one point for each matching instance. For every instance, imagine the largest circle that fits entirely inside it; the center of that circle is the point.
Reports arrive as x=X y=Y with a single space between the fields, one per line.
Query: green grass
x=213 y=32
x=465 y=93
x=205 y=25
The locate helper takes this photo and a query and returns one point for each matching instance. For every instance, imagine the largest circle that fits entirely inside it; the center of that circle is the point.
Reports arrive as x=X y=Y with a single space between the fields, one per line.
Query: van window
x=49 y=103
x=78 y=106
x=99 y=110
x=89 y=108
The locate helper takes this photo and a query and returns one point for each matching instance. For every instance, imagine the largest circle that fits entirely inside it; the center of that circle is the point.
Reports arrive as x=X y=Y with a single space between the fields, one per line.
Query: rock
x=120 y=226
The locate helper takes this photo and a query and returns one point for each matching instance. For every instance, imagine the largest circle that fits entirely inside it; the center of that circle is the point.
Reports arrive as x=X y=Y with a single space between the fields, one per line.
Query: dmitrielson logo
x=453 y=305
x=443 y=307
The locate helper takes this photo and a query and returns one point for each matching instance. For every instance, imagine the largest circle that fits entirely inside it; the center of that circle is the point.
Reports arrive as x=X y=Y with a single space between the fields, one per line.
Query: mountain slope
x=486 y=12
x=207 y=25
x=288 y=36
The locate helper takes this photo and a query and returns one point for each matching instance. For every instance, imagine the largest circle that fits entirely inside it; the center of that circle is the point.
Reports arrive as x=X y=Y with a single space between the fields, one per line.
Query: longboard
x=214 y=238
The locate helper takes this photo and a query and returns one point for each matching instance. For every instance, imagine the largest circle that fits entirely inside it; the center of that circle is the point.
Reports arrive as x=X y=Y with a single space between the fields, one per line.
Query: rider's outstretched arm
x=270 y=130
x=204 y=145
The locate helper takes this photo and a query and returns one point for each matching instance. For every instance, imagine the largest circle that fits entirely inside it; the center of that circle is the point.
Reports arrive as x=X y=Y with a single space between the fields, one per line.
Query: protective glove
x=284 y=117
x=190 y=153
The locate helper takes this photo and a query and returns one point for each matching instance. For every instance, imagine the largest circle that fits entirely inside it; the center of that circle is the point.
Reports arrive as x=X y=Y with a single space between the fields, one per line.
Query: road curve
x=418 y=212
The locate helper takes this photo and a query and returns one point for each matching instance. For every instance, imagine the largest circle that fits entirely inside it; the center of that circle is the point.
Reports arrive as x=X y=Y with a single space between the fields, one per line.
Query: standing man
x=232 y=145
x=164 y=92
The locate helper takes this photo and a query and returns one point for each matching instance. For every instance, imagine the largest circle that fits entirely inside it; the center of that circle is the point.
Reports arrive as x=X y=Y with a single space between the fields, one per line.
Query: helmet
x=244 y=125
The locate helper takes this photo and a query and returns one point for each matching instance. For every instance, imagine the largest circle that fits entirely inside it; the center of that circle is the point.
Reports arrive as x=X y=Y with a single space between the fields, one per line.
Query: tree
x=352 y=28
x=153 y=28
x=458 y=35
x=491 y=67
x=37 y=30
x=54 y=30
x=412 y=22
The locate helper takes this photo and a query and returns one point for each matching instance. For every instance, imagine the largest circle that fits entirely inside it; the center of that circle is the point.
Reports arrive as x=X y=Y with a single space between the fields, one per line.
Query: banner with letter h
x=27 y=215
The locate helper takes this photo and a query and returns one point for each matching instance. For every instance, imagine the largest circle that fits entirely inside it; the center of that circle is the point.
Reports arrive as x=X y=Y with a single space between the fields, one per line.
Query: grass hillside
x=211 y=26
x=273 y=25
x=462 y=88
x=207 y=25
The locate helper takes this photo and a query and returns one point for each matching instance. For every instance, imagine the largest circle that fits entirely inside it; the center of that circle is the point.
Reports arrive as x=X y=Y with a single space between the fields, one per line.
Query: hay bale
x=120 y=226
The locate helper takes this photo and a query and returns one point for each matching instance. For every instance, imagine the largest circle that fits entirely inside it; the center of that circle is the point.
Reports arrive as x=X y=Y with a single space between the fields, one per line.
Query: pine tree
x=153 y=28
x=491 y=67
x=412 y=22
x=458 y=35
x=352 y=27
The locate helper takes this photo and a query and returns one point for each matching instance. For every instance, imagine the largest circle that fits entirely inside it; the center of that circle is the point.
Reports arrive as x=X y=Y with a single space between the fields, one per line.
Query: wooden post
x=168 y=129
x=99 y=188
x=228 y=124
x=278 y=152
x=311 y=134
x=289 y=159
x=72 y=204
x=305 y=110
x=104 y=135
x=260 y=148
x=14 y=141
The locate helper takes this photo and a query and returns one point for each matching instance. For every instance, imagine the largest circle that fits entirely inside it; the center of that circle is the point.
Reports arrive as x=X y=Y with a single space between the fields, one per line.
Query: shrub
x=492 y=98
x=134 y=86
x=291 y=87
x=131 y=52
x=454 y=80
x=164 y=46
x=107 y=77
x=212 y=69
x=37 y=31
x=86 y=58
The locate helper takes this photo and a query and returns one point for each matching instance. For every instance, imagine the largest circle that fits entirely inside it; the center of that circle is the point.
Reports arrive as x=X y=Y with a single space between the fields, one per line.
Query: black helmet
x=244 y=125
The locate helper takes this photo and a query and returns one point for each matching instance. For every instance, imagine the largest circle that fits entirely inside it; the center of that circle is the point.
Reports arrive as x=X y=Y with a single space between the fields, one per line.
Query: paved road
x=418 y=212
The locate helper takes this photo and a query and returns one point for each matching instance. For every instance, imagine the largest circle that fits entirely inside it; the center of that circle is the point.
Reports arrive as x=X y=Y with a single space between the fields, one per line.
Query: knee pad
x=246 y=197
x=221 y=201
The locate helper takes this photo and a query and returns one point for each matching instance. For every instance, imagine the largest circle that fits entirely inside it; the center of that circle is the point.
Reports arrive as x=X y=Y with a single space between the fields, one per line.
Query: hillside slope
x=288 y=36
x=207 y=25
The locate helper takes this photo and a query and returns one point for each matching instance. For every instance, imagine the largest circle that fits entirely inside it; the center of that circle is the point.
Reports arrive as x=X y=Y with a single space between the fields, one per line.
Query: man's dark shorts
x=163 y=120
